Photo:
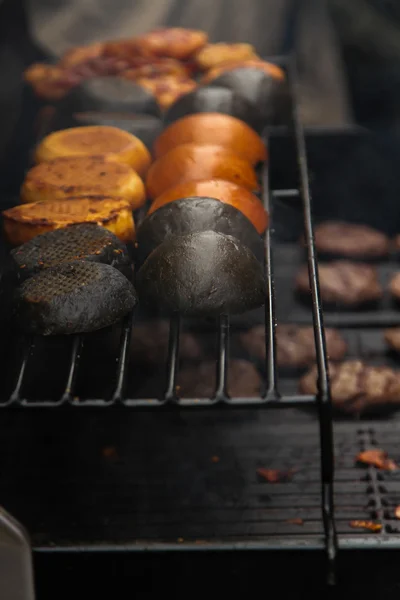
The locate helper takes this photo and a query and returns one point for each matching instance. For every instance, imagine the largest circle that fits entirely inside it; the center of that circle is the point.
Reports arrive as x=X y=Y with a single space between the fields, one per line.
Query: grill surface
x=184 y=480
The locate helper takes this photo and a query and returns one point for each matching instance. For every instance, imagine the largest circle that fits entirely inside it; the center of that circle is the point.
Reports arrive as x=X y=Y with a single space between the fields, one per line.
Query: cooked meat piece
x=356 y=387
x=244 y=381
x=343 y=282
x=394 y=286
x=73 y=298
x=81 y=54
x=173 y=42
x=155 y=68
x=167 y=89
x=392 y=338
x=26 y=221
x=269 y=68
x=214 y=55
x=295 y=346
x=68 y=176
x=150 y=343
x=79 y=242
x=50 y=81
x=351 y=240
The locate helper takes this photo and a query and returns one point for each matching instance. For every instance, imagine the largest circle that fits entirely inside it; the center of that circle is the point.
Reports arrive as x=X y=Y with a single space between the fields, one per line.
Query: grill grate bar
x=15 y=396
x=122 y=359
x=270 y=342
x=323 y=397
x=68 y=394
x=173 y=358
x=221 y=393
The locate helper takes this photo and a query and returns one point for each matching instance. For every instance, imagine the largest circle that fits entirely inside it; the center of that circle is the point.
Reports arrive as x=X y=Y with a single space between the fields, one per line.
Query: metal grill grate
x=272 y=397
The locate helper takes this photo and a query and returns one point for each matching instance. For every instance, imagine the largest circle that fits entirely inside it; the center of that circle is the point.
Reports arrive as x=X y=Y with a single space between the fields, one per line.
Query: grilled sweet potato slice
x=80 y=176
x=96 y=140
x=26 y=221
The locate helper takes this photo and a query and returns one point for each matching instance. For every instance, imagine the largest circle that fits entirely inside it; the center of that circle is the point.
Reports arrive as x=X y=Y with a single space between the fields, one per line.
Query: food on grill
x=225 y=191
x=106 y=94
x=50 y=82
x=190 y=162
x=199 y=381
x=394 y=286
x=350 y=240
x=367 y=525
x=377 y=458
x=295 y=345
x=97 y=140
x=80 y=176
x=392 y=338
x=167 y=89
x=73 y=298
x=201 y=274
x=195 y=214
x=213 y=100
x=173 y=42
x=262 y=66
x=155 y=68
x=275 y=475
x=26 y=221
x=261 y=84
x=81 y=54
x=343 y=282
x=79 y=242
x=215 y=129
x=150 y=343
x=356 y=386
x=214 y=55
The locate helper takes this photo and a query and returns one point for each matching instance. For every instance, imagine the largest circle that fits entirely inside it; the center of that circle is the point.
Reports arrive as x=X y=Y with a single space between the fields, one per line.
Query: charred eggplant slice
x=201 y=274
x=74 y=297
x=264 y=92
x=86 y=241
x=215 y=100
x=191 y=215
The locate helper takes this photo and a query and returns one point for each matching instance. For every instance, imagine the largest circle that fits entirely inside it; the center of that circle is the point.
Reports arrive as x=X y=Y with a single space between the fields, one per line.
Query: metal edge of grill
x=271 y=398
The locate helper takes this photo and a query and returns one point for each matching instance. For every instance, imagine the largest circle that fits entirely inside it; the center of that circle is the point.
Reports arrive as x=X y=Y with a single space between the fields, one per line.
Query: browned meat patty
x=150 y=343
x=356 y=386
x=350 y=240
x=392 y=338
x=343 y=282
x=394 y=286
x=295 y=346
x=199 y=381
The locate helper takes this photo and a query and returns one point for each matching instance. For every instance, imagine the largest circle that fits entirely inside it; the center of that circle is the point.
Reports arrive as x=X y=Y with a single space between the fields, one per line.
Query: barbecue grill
x=173 y=483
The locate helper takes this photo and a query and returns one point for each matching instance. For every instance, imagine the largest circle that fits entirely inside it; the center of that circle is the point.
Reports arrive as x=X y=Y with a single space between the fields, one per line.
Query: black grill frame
x=272 y=397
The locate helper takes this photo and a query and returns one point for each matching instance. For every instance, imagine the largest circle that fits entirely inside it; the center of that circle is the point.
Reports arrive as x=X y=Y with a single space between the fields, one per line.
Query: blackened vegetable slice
x=73 y=298
x=201 y=274
x=190 y=215
x=85 y=241
x=215 y=99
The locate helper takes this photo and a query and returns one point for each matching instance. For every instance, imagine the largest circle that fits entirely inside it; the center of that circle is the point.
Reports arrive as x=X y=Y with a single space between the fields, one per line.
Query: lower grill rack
x=322 y=488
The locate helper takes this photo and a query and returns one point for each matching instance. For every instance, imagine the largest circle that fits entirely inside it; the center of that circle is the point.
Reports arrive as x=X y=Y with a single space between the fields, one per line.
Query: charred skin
x=73 y=298
x=87 y=242
x=191 y=215
x=201 y=274
x=214 y=99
